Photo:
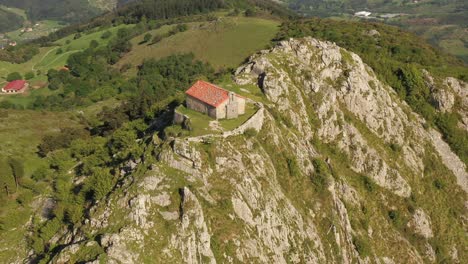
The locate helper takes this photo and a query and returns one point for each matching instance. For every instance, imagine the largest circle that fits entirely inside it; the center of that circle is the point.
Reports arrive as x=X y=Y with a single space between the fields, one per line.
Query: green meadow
x=223 y=43
x=51 y=58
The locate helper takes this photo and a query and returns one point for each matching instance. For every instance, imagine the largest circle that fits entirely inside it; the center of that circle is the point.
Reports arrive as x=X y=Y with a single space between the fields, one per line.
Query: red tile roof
x=15 y=85
x=208 y=93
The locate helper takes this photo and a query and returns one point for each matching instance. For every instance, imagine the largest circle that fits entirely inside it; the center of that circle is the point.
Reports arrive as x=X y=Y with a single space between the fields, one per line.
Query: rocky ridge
x=338 y=173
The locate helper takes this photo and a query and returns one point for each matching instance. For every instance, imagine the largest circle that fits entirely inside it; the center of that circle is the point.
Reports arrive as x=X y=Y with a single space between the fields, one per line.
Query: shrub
x=182 y=27
x=29 y=75
x=395 y=217
x=321 y=175
x=250 y=12
x=395 y=147
x=93 y=44
x=439 y=184
x=368 y=184
x=250 y=132
x=293 y=166
x=101 y=184
x=106 y=35
x=25 y=197
x=147 y=37
x=362 y=246
x=14 y=76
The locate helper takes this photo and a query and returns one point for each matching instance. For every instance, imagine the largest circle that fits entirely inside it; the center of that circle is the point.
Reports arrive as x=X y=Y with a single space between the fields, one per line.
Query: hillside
x=340 y=171
x=353 y=147
x=442 y=23
x=225 y=42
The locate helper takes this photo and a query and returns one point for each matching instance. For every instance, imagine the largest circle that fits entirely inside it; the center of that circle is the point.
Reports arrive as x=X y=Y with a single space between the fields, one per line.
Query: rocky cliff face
x=340 y=171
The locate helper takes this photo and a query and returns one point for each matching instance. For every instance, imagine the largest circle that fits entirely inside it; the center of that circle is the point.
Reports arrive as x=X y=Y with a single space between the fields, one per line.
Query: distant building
x=28 y=29
x=214 y=101
x=18 y=86
x=13 y=43
x=362 y=14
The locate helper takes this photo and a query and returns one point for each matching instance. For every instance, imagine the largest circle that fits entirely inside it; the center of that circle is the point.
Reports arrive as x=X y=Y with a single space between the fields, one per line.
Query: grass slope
x=48 y=57
x=223 y=43
x=20 y=134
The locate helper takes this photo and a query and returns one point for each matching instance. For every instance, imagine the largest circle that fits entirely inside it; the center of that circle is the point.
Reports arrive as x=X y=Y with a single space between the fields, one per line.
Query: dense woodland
x=19 y=54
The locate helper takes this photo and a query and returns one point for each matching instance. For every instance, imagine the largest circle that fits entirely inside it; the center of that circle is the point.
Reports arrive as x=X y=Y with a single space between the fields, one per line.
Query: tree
x=250 y=12
x=14 y=76
x=61 y=140
x=7 y=181
x=93 y=44
x=182 y=27
x=101 y=183
x=147 y=38
x=106 y=35
x=17 y=169
x=29 y=75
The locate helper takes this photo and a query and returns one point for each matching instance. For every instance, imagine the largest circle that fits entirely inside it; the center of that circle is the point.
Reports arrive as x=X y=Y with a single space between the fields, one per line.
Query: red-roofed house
x=214 y=101
x=17 y=86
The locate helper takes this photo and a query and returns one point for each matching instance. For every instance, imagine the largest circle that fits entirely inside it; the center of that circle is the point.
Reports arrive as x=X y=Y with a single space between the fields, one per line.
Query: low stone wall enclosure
x=181 y=156
x=255 y=122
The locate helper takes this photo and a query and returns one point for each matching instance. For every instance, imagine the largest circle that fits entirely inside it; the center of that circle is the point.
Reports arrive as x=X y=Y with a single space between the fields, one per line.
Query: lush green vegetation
x=21 y=132
x=94 y=147
x=397 y=57
x=442 y=23
x=18 y=54
x=224 y=43
x=58 y=148
x=114 y=141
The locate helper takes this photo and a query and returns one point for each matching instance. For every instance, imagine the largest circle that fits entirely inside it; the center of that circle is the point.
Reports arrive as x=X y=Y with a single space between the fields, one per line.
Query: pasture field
x=223 y=43
x=50 y=58
x=21 y=131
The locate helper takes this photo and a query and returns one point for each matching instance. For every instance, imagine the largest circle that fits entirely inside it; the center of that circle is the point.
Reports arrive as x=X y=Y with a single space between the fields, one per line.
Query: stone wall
x=221 y=111
x=255 y=122
x=241 y=105
x=232 y=110
x=199 y=106
x=179 y=118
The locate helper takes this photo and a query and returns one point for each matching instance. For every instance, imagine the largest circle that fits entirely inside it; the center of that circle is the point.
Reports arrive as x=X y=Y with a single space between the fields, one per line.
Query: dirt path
x=43 y=57
x=72 y=51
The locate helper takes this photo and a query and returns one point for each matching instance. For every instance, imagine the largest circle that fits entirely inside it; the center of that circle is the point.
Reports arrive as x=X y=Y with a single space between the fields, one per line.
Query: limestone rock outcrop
x=333 y=176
